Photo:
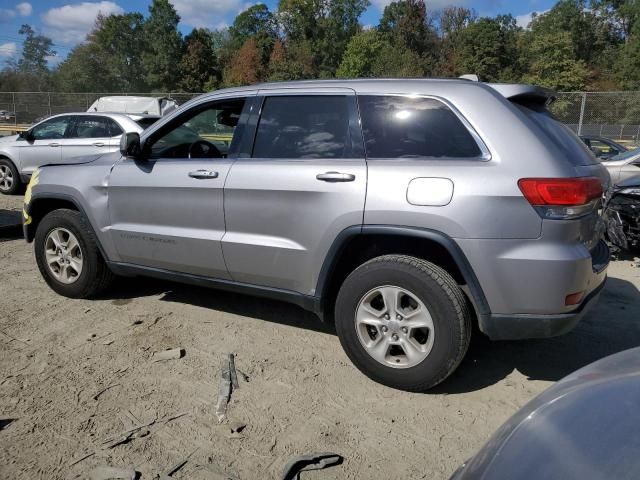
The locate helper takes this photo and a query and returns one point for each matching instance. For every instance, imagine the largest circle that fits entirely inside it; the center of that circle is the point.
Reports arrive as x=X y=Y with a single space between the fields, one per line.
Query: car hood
x=585 y=426
x=8 y=139
x=629 y=182
x=110 y=158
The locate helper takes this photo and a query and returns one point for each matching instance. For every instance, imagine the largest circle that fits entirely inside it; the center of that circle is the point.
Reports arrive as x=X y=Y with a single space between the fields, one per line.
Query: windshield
x=625 y=155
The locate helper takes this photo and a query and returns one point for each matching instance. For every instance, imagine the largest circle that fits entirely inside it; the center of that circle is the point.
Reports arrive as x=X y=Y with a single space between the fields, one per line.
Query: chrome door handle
x=98 y=144
x=336 y=177
x=54 y=144
x=203 y=174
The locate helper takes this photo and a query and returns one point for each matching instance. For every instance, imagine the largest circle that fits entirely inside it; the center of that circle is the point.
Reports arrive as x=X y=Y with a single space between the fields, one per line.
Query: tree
x=590 y=33
x=488 y=48
x=628 y=64
x=32 y=67
x=163 y=46
x=199 y=64
x=291 y=62
x=109 y=60
x=371 y=54
x=322 y=26
x=453 y=21
x=246 y=66
x=554 y=63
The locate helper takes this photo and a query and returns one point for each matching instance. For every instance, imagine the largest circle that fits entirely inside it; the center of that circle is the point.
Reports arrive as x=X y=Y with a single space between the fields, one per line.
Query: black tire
x=437 y=290
x=17 y=184
x=95 y=276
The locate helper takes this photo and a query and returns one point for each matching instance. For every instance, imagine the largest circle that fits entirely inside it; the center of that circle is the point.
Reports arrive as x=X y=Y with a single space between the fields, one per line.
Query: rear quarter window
x=413 y=127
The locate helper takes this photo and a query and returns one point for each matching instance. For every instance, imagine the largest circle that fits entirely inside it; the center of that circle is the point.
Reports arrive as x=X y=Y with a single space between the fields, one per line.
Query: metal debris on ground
x=170 y=354
x=176 y=467
x=108 y=473
x=75 y=462
x=232 y=372
x=126 y=437
x=108 y=387
x=305 y=463
x=224 y=390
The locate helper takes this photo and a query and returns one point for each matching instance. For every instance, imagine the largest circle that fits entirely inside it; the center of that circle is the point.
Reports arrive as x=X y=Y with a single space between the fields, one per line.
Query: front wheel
x=10 y=182
x=68 y=256
x=403 y=322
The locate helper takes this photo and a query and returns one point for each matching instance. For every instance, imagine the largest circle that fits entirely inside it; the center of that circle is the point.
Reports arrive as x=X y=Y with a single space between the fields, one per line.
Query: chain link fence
x=609 y=114
x=24 y=108
x=614 y=115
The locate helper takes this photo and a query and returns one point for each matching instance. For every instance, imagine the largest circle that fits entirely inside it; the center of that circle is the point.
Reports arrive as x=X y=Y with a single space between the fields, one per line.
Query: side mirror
x=130 y=145
x=27 y=135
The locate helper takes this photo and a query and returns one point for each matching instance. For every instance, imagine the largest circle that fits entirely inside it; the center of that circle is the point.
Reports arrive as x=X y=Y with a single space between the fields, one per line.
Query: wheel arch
x=358 y=244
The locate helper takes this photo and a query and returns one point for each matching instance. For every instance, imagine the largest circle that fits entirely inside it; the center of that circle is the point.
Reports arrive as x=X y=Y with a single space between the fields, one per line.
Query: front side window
x=95 y=127
x=413 y=127
x=53 y=129
x=303 y=127
x=207 y=132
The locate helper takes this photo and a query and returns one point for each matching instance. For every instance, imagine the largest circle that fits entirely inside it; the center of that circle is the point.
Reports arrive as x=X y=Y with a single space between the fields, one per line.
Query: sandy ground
x=302 y=394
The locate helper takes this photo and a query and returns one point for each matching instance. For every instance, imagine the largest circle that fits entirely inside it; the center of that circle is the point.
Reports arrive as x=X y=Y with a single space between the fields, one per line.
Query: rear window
x=569 y=143
x=413 y=127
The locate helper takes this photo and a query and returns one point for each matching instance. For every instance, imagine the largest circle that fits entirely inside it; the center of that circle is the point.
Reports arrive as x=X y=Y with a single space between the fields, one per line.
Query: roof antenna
x=470 y=76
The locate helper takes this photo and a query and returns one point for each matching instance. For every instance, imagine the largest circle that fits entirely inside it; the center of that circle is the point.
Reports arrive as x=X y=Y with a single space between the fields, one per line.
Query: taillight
x=562 y=198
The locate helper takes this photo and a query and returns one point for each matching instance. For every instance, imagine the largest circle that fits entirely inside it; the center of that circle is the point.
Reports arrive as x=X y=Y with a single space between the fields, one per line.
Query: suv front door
x=302 y=184
x=44 y=146
x=167 y=212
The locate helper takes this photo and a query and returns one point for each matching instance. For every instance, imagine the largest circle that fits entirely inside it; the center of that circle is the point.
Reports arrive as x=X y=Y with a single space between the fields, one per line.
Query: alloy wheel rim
x=6 y=178
x=63 y=255
x=394 y=326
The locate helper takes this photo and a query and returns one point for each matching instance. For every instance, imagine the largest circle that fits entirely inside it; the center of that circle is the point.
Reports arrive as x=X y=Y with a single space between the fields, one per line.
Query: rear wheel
x=10 y=182
x=403 y=322
x=68 y=256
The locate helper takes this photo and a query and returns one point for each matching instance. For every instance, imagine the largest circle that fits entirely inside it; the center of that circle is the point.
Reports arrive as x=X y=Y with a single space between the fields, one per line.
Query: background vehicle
x=623 y=166
x=389 y=212
x=7 y=115
x=622 y=214
x=129 y=104
x=585 y=427
x=66 y=138
x=602 y=147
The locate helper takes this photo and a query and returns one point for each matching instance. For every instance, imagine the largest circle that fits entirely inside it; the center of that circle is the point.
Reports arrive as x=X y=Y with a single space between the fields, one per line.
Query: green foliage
x=554 y=63
x=323 y=27
x=488 y=48
x=577 y=44
x=163 y=45
x=199 y=66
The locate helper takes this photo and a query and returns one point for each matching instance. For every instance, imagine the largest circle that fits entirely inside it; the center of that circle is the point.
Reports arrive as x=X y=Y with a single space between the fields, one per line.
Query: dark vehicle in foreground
x=585 y=427
x=622 y=214
x=602 y=147
x=406 y=210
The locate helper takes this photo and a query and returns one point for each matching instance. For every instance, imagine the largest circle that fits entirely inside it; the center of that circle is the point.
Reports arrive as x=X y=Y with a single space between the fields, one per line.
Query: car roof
x=399 y=85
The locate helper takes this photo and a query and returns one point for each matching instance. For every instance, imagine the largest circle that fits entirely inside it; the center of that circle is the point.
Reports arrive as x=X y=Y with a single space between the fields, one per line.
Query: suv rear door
x=302 y=183
x=167 y=212
x=90 y=135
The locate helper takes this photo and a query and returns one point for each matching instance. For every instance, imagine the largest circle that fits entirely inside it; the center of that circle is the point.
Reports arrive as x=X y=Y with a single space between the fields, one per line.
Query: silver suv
x=405 y=210
x=59 y=139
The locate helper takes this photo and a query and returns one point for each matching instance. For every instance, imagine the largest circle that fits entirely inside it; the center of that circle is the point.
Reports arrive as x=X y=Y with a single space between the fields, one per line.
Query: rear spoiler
x=525 y=94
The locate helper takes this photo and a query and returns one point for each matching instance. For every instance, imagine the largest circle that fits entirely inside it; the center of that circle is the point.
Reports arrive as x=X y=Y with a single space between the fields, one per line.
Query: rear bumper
x=526 y=283
x=519 y=326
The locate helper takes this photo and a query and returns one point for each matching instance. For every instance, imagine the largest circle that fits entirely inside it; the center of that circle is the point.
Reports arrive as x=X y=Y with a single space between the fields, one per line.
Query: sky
x=67 y=22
